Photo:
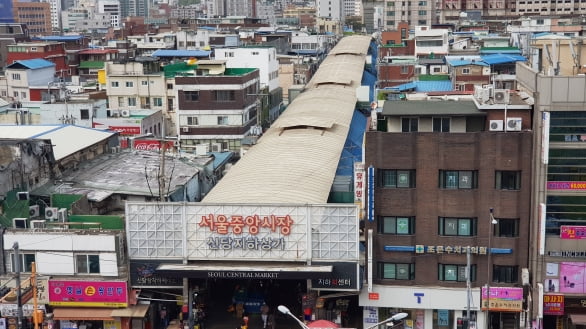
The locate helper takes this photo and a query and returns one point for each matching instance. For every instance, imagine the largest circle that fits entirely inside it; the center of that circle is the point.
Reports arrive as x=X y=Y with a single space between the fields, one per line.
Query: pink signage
x=572 y=277
x=573 y=232
x=88 y=293
x=502 y=299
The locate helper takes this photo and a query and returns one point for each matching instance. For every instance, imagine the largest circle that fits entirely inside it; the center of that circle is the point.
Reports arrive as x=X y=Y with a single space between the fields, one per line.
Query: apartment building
x=448 y=192
x=557 y=205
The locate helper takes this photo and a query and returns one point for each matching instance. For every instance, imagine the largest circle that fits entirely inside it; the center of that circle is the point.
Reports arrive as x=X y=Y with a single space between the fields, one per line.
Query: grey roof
x=125 y=172
x=66 y=139
x=295 y=160
x=431 y=107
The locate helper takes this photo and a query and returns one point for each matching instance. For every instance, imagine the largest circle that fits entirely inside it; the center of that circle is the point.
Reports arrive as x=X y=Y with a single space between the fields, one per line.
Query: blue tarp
x=502 y=58
x=424 y=86
x=352 y=151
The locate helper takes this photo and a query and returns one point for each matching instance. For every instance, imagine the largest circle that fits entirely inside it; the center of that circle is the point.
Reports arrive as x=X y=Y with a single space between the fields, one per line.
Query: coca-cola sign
x=151 y=145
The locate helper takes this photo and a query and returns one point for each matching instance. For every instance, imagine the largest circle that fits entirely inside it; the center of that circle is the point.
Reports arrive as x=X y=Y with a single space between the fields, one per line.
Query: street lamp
x=396 y=317
x=283 y=309
x=489 y=267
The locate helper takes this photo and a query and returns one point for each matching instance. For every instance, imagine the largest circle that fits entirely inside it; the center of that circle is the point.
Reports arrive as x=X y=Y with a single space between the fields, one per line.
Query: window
x=157 y=101
x=25 y=262
x=222 y=120
x=396 y=225
x=465 y=70
x=144 y=83
x=449 y=272
x=84 y=114
x=120 y=101
x=506 y=227
x=15 y=76
x=396 y=271
x=441 y=125
x=129 y=84
x=87 y=264
x=404 y=69
x=131 y=101
x=191 y=96
x=507 y=180
x=397 y=178
x=451 y=226
x=169 y=86
x=422 y=12
x=114 y=84
x=505 y=274
x=458 y=179
x=192 y=121
x=409 y=124
x=23 y=94
x=224 y=95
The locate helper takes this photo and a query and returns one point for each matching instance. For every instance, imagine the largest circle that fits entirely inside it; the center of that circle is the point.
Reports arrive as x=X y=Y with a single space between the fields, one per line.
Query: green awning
x=91 y=65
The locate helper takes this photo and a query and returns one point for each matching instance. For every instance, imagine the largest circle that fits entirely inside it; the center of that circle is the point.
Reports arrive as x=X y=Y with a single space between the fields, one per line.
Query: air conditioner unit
x=22 y=196
x=19 y=223
x=496 y=125
x=51 y=213
x=41 y=223
x=62 y=215
x=125 y=113
x=525 y=276
x=514 y=124
x=216 y=147
x=501 y=96
x=34 y=211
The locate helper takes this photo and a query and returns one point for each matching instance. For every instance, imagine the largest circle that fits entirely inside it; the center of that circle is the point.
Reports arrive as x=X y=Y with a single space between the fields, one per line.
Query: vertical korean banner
x=371 y=185
x=359 y=187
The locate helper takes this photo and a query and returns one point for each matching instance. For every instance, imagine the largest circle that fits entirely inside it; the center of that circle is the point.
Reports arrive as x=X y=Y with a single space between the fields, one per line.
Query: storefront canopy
x=82 y=313
x=578 y=319
x=238 y=270
x=134 y=311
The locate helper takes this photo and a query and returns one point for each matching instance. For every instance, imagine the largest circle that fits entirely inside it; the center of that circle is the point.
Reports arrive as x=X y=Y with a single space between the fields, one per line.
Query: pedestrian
x=164 y=317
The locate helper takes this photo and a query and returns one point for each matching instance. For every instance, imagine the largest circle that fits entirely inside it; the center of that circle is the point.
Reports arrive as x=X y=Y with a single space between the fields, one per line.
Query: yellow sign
x=112 y=324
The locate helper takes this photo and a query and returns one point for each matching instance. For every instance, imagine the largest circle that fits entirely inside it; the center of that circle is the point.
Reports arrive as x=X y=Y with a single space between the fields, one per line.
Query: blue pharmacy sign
x=371 y=185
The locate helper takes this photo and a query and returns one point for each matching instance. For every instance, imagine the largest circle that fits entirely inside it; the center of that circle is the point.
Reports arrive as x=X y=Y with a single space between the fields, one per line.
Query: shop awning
x=134 y=311
x=578 y=319
x=245 y=270
x=82 y=313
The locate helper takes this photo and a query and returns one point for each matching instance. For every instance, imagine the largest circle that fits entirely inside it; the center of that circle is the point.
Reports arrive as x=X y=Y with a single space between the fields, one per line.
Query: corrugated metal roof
x=295 y=160
x=424 y=86
x=181 y=53
x=66 y=139
x=37 y=63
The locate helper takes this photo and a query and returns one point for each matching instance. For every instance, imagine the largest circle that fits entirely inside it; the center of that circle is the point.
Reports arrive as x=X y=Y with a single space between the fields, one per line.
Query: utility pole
x=18 y=294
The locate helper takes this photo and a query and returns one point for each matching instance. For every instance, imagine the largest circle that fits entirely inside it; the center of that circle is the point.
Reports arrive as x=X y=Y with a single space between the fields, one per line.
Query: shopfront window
x=443 y=319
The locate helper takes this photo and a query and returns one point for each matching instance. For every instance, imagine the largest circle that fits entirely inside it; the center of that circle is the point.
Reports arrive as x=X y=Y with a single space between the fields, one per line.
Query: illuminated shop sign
x=553 y=304
x=88 y=293
x=344 y=276
x=568 y=185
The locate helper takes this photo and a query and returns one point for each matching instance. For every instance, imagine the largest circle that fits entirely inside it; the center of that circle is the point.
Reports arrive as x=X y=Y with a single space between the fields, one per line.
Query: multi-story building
x=430 y=41
x=431 y=215
x=415 y=13
x=111 y=7
x=146 y=44
x=333 y=10
x=265 y=59
x=218 y=106
x=52 y=51
x=557 y=253
x=24 y=74
x=36 y=16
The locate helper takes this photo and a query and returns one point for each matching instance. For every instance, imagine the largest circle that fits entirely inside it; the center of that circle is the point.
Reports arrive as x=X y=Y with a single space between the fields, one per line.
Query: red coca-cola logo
x=150 y=145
